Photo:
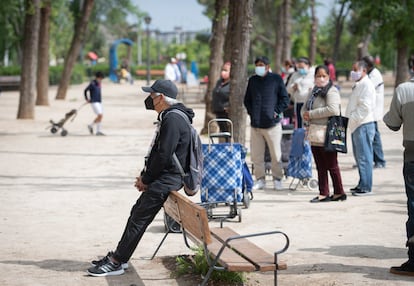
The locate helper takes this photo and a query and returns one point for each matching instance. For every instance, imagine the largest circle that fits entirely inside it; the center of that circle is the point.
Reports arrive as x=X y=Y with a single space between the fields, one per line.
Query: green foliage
x=77 y=76
x=197 y=264
x=10 y=70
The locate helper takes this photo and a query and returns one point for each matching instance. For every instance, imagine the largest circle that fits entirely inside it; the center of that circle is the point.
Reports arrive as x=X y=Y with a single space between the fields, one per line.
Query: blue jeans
x=362 y=139
x=377 y=145
x=408 y=173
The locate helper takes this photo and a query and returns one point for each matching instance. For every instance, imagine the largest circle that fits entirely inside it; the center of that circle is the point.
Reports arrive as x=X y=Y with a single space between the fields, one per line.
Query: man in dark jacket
x=265 y=100
x=159 y=177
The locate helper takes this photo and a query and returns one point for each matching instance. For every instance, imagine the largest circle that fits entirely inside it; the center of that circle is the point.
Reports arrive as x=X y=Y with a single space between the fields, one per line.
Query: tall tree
x=218 y=32
x=43 y=57
x=241 y=19
x=313 y=32
x=73 y=53
x=29 y=62
x=392 y=19
x=287 y=30
x=339 y=26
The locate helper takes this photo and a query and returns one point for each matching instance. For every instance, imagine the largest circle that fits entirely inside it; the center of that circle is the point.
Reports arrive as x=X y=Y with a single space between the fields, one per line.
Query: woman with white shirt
x=300 y=85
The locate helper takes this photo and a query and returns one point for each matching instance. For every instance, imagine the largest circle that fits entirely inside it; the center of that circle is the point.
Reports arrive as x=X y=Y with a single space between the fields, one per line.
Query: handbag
x=336 y=134
x=316 y=134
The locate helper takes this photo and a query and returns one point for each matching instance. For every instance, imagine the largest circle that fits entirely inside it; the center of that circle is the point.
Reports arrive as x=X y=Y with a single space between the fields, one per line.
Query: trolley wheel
x=246 y=200
x=313 y=184
x=64 y=132
x=239 y=213
x=53 y=130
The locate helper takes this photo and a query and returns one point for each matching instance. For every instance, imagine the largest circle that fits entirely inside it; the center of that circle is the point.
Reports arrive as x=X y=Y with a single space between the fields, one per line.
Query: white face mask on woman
x=321 y=81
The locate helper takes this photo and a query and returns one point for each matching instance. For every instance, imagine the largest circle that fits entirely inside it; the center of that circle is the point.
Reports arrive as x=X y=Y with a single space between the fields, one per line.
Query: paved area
x=65 y=201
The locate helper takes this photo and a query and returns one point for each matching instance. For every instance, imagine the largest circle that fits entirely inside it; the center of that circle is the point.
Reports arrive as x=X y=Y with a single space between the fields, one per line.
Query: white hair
x=170 y=101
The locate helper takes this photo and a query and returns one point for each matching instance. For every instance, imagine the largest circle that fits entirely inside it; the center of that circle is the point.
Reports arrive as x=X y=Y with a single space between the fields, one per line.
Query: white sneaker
x=259 y=185
x=278 y=185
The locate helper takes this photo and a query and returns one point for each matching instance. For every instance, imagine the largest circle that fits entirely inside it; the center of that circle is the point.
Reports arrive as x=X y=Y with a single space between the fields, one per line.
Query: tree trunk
x=339 y=26
x=240 y=17
x=43 y=65
x=402 y=58
x=287 y=30
x=78 y=37
x=279 y=39
x=218 y=33
x=29 y=61
x=313 y=33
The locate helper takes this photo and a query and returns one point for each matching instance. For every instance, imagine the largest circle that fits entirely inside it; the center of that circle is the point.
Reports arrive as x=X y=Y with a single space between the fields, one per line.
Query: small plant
x=197 y=264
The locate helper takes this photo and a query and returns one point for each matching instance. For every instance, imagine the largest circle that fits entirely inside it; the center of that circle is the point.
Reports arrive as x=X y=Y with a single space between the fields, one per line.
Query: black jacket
x=221 y=94
x=265 y=100
x=174 y=136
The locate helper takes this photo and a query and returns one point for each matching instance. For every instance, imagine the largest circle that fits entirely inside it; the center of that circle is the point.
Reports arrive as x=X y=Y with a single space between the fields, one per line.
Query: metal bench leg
x=275 y=272
x=159 y=246
x=210 y=270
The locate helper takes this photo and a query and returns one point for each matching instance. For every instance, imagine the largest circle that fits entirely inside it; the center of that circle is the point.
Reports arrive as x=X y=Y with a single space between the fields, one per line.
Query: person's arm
x=85 y=92
x=393 y=118
x=282 y=98
x=161 y=153
x=248 y=98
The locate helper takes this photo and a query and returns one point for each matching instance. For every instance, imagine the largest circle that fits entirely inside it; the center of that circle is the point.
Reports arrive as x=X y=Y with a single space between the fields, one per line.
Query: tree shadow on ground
x=362 y=251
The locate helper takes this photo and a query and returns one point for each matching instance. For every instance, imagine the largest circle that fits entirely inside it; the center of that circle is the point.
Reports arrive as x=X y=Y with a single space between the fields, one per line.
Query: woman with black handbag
x=323 y=101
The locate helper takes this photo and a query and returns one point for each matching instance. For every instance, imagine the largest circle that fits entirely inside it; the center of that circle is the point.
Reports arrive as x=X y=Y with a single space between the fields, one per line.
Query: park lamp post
x=147 y=20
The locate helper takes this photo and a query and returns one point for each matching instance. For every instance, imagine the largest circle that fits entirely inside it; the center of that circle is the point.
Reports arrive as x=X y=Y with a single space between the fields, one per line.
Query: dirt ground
x=65 y=201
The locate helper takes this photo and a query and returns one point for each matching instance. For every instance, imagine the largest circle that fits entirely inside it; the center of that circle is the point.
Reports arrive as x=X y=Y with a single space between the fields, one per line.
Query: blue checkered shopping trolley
x=225 y=180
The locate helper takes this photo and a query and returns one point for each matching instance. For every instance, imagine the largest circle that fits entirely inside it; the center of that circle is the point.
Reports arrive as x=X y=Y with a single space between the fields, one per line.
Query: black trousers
x=142 y=214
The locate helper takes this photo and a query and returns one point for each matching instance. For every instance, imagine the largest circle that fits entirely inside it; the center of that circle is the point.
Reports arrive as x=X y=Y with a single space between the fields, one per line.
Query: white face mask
x=260 y=70
x=356 y=75
x=321 y=82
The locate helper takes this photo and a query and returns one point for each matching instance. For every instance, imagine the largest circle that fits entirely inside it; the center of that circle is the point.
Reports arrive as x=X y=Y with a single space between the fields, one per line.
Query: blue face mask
x=303 y=72
x=260 y=70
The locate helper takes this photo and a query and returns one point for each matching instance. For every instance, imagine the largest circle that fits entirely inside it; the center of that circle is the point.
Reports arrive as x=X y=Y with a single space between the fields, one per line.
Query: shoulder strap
x=182 y=114
x=175 y=158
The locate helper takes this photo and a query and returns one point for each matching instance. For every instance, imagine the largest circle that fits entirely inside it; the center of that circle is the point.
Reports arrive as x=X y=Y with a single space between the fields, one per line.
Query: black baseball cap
x=164 y=86
x=262 y=59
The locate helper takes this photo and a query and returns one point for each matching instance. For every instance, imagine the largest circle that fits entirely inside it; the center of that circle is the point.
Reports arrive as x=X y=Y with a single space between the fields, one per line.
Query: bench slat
x=260 y=257
x=229 y=259
x=171 y=208
x=196 y=220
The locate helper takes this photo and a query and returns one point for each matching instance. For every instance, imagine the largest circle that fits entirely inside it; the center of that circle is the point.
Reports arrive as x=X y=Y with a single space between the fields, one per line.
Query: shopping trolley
x=225 y=176
x=300 y=162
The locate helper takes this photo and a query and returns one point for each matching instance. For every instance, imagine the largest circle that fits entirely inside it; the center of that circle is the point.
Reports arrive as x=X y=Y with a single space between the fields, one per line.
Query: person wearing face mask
x=221 y=93
x=159 y=176
x=360 y=111
x=300 y=84
x=265 y=100
x=375 y=76
x=324 y=101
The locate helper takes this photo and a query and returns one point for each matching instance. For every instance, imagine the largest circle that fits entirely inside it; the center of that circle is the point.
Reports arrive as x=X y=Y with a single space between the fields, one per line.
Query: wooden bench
x=152 y=72
x=9 y=82
x=224 y=248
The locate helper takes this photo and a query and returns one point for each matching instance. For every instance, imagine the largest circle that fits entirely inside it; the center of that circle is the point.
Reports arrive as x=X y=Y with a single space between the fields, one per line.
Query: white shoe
x=259 y=185
x=278 y=185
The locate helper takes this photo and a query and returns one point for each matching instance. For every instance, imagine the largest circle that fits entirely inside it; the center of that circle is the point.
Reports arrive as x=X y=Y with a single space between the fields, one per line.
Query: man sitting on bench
x=159 y=177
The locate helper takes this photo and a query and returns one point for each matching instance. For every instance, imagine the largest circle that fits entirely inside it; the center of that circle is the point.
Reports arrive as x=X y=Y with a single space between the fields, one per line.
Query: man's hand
x=140 y=185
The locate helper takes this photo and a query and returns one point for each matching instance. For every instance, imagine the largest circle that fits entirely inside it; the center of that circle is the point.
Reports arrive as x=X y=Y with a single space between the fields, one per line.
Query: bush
x=55 y=73
x=197 y=264
x=77 y=76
